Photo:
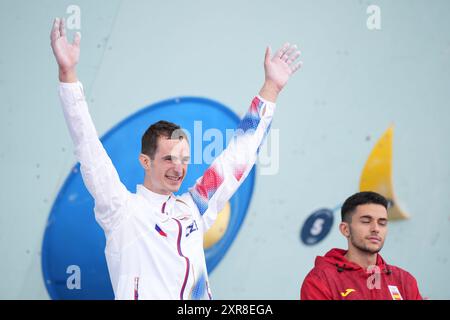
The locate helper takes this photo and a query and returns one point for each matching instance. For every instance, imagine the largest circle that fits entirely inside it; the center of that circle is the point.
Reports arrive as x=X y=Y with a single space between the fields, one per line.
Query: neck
x=362 y=258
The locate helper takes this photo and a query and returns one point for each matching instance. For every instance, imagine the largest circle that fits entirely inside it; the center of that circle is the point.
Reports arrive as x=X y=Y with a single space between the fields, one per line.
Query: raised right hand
x=66 y=54
x=278 y=70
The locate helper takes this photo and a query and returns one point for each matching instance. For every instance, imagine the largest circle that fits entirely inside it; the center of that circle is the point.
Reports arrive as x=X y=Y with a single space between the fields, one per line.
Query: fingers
x=268 y=55
x=59 y=30
x=77 y=39
x=286 y=55
x=293 y=57
x=62 y=28
x=296 y=67
x=283 y=50
x=55 y=34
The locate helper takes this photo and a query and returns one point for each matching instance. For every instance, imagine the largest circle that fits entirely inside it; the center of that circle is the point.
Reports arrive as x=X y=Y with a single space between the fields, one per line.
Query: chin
x=174 y=188
x=375 y=249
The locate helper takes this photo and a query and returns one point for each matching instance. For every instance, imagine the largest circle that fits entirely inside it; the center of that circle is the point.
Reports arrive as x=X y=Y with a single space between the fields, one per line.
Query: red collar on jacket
x=336 y=257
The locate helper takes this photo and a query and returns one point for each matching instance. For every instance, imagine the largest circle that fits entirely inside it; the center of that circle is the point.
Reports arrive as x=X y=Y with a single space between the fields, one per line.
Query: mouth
x=374 y=239
x=173 y=178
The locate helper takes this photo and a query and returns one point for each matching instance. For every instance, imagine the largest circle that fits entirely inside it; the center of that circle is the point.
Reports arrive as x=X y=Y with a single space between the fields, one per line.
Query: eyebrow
x=370 y=217
x=170 y=157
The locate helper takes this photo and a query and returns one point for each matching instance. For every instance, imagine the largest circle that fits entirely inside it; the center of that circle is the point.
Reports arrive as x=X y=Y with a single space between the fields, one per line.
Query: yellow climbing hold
x=216 y=232
x=377 y=174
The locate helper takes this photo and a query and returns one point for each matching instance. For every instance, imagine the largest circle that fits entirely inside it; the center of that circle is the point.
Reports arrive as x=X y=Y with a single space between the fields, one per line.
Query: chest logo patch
x=395 y=293
x=347 y=292
x=191 y=228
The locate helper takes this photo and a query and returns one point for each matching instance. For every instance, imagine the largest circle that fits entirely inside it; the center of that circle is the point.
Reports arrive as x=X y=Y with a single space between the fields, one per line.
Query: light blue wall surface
x=354 y=84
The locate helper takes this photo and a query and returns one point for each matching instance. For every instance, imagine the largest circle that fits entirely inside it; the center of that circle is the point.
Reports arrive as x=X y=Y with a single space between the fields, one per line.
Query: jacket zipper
x=186 y=275
x=136 y=288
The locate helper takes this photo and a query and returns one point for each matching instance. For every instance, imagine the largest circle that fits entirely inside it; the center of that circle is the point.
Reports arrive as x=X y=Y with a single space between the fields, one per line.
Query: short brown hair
x=160 y=129
x=360 y=198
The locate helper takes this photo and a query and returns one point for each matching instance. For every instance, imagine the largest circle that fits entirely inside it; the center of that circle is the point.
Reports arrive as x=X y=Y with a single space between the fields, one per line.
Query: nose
x=178 y=168
x=375 y=228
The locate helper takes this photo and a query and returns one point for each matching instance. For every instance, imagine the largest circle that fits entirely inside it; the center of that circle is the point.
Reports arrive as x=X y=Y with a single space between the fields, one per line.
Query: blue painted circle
x=73 y=237
x=317 y=226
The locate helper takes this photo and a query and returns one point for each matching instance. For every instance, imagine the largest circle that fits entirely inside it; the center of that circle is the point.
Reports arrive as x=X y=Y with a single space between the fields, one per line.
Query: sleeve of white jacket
x=227 y=172
x=98 y=172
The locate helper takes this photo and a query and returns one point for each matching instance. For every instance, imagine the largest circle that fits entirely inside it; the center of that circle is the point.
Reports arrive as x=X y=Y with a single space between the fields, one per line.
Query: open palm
x=66 y=54
x=282 y=65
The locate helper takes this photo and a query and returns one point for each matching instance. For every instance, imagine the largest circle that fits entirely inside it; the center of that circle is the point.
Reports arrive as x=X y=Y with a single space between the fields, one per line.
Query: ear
x=145 y=161
x=344 y=228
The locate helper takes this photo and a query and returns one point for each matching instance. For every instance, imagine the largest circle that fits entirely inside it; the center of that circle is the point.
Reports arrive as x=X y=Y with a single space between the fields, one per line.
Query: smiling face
x=167 y=170
x=367 y=229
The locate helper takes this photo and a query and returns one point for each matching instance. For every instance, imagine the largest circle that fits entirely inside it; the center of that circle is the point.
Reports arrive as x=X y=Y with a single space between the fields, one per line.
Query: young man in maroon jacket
x=360 y=272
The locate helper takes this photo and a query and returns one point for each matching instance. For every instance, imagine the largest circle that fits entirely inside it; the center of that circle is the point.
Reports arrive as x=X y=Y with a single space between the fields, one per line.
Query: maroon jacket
x=336 y=278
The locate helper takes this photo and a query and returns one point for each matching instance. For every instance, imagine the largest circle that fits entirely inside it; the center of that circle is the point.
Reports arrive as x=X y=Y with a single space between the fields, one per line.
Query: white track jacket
x=154 y=243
